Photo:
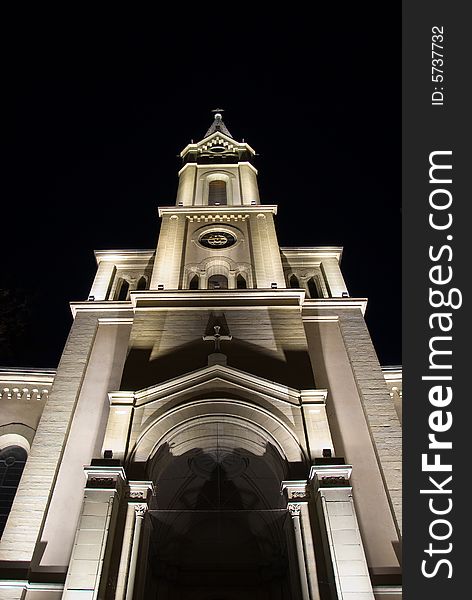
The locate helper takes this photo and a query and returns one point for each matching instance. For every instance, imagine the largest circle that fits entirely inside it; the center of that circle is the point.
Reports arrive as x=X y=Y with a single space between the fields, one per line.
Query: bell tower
x=218 y=235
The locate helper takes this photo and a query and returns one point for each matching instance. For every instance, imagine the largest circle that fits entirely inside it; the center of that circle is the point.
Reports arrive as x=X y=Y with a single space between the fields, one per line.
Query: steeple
x=218 y=124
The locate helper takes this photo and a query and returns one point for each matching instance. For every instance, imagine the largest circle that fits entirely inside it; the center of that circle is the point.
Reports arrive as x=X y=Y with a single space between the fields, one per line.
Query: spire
x=218 y=124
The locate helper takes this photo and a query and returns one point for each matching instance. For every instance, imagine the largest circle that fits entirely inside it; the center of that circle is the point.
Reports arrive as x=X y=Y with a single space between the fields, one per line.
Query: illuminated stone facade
x=218 y=426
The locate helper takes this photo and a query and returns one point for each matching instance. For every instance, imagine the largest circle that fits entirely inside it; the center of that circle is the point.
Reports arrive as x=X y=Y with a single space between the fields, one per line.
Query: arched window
x=293 y=282
x=194 y=283
x=142 y=283
x=241 y=283
x=12 y=463
x=217 y=193
x=124 y=289
x=313 y=288
x=217 y=282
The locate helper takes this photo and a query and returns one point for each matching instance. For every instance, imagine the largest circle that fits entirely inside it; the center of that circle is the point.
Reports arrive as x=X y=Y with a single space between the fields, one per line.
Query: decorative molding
x=336 y=303
x=315 y=252
x=120 y=256
x=134 y=495
x=330 y=476
x=102 y=306
x=140 y=490
x=295 y=490
x=218 y=210
x=24 y=394
x=299 y=494
x=204 y=218
x=107 y=478
x=221 y=299
x=101 y=482
x=115 y=321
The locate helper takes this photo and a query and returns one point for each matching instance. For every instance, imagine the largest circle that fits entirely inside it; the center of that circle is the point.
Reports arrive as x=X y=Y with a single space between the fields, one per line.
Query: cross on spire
x=217 y=338
x=218 y=124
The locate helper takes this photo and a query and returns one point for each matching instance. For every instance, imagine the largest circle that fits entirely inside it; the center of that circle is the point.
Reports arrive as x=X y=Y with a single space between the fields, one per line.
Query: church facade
x=218 y=426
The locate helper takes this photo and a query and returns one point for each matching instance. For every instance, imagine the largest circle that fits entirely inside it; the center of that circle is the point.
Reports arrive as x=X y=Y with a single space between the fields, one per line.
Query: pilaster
x=27 y=513
x=167 y=264
x=340 y=531
x=89 y=564
x=103 y=280
x=267 y=261
x=333 y=277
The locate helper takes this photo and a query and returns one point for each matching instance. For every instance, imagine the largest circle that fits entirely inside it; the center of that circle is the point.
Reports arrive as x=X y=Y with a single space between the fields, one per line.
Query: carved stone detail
x=137 y=495
x=101 y=482
x=300 y=494
x=140 y=509
x=294 y=508
x=333 y=481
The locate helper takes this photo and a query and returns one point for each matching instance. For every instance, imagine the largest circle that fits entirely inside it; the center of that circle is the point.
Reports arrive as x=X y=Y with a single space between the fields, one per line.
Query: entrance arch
x=218 y=527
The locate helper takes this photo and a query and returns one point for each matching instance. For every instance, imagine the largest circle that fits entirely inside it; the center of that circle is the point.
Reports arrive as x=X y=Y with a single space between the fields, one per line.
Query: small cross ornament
x=217 y=338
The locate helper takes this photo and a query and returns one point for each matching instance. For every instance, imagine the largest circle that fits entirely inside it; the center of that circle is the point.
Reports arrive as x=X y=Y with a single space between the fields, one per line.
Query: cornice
x=27 y=376
x=217 y=166
x=191 y=299
x=205 y=140
x=102 y=307
x=123 y=255
x=238 y=209
x=330 y=304
x=318 y=252
x=312 y=310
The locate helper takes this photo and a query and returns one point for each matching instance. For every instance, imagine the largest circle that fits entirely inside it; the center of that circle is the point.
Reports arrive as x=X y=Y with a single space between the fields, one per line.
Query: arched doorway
x=219 y=527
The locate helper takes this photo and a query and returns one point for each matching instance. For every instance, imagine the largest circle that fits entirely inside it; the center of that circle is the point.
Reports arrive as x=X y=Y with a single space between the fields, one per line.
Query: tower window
x=217 y=282
x=124 y=289
x=217 y=193
x=194 y=283
x=313 y=288
x=241 y=282
x=142 y=283
x=293 y=282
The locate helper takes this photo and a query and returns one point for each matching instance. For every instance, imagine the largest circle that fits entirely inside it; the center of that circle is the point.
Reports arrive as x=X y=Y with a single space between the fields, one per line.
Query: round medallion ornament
x=217 y=239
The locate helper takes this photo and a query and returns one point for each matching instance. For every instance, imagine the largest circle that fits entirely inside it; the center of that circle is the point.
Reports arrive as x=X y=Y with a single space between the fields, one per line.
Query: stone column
x=88 y=569
x=139 y=512
x=139 y=495
x=297 y=496
x=340 y=532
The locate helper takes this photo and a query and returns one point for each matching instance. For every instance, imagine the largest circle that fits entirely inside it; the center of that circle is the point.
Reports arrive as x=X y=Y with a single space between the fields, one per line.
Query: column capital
x=140 y=509
x=330 y=476
x=294 y=508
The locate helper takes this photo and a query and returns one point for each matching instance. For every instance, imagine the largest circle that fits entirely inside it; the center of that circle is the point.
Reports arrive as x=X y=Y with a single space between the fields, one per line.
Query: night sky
x=99 y=111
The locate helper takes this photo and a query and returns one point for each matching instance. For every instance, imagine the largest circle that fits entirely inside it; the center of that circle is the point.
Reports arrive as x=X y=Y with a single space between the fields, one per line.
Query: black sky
x=98 y=112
